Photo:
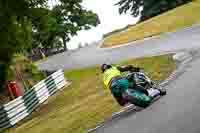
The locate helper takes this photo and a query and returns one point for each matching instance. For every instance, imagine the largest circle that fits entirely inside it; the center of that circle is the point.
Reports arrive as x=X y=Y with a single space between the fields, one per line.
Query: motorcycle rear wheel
x=139 y=99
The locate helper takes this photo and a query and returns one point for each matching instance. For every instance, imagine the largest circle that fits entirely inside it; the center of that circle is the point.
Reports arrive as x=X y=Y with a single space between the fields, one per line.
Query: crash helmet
x=104 y=67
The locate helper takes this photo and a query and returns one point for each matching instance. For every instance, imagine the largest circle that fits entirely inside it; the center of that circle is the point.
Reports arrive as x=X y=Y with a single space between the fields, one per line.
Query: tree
x=66 y=19
x=72 y=18
x=27 y=24
x=15 y=31
x=149 y=8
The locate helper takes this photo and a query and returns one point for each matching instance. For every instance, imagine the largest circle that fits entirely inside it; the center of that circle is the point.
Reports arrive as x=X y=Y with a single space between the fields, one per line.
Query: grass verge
x=177 y=18
x=85 y=103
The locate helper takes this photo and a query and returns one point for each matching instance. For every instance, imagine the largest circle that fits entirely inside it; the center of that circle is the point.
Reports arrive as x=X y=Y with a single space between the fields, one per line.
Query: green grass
x=85 y=103
x=175 y=19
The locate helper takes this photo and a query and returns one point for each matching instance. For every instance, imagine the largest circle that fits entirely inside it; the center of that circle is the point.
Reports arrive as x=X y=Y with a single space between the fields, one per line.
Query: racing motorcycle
x=142 y=90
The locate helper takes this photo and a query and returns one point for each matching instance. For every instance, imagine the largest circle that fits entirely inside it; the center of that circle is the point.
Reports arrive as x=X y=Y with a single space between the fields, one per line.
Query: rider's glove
x=136 y=69
x=133 y=69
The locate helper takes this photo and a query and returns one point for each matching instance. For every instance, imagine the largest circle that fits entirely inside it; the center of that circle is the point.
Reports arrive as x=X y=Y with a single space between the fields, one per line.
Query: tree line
x=148 y=8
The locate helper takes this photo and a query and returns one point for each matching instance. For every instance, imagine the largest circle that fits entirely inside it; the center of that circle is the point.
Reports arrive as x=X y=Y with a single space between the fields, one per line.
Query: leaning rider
x=113 y=79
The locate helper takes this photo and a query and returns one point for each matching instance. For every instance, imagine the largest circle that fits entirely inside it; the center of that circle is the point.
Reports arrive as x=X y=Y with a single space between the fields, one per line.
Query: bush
x=34 y=72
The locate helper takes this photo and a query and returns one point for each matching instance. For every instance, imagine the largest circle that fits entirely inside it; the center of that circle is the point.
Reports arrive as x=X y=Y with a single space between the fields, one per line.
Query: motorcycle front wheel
x=162 y=90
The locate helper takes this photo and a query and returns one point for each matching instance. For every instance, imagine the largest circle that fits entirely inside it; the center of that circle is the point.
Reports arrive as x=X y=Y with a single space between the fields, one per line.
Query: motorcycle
x=142 y=90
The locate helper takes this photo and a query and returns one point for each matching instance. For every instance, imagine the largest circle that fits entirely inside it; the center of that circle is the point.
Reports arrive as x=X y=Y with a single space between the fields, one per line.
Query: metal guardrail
x=16 y=110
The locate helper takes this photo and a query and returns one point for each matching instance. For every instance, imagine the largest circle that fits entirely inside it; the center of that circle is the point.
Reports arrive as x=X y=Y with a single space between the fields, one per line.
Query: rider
x=118 y=84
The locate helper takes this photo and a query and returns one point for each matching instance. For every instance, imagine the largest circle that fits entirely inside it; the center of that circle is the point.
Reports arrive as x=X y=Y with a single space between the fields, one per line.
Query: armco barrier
x=16 y=110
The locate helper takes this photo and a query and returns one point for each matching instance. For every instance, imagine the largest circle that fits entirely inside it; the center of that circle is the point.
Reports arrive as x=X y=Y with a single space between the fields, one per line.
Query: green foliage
x=133 y=5
x=150 y=7
x=34 y=72
x=62 y=21
x=3 y=75
x=27 y=24
x=72 y=18
x=22 y=67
